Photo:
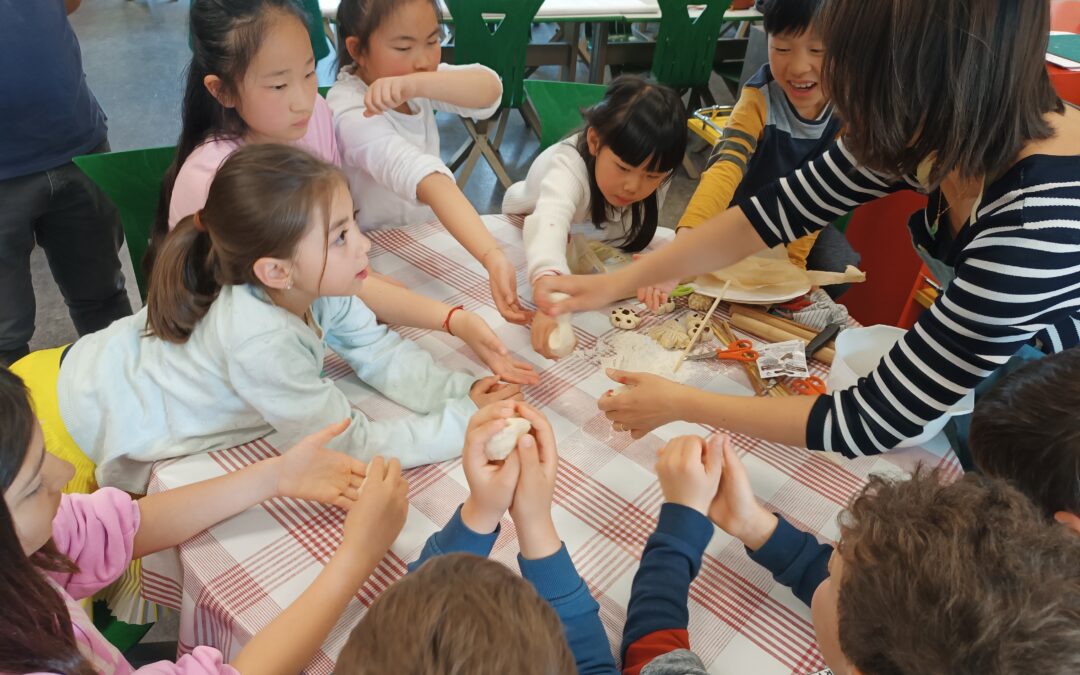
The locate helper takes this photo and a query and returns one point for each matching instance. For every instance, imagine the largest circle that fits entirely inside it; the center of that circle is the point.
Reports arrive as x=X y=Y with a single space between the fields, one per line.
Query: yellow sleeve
x=731 y=157
x=798 y=250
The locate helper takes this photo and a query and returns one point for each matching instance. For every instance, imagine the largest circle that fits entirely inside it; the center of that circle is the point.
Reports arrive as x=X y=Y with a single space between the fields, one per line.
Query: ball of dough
x=699 y=302
x=505 y=440
x=666 y=308
x=624 y=318
x=670 y=335
x=561 y=341
x=693 y=322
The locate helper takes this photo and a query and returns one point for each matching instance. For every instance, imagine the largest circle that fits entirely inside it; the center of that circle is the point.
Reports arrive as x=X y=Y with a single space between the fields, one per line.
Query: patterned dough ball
x=624 y=318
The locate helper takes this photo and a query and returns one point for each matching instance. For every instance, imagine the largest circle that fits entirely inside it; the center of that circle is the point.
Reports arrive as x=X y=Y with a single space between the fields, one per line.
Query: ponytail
x=183 y=284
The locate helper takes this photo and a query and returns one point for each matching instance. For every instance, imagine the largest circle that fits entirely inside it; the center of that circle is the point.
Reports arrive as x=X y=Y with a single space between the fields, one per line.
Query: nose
x=365 y=243
x=631 y=184
x=303 y=98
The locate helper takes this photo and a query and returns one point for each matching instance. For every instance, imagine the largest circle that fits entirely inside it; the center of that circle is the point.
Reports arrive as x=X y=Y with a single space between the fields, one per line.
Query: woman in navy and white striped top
x=947 y=98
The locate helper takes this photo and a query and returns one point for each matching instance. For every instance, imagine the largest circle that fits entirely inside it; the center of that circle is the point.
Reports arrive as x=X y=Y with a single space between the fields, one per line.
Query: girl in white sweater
x=614 y=174
x=384 y=102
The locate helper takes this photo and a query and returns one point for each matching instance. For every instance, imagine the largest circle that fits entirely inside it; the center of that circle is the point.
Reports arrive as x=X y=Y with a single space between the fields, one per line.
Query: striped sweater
x=1017 y=265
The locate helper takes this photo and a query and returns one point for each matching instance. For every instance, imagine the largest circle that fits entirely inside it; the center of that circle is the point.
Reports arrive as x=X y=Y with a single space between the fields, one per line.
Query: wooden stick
x=703 y=326
x=805 y=332
x=773 y=334
x=727 y=335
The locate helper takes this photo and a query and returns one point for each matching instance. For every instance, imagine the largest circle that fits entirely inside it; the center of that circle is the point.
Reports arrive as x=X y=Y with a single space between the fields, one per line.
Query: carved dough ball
x=666 y=308
x=503 y=443
x=624 y=318
x=670 y=335
x=693 y=322
x=561 y=341
x=698 y=302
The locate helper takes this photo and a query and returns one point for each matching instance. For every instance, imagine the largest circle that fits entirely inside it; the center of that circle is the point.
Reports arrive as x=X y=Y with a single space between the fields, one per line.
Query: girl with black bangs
x=614 y=173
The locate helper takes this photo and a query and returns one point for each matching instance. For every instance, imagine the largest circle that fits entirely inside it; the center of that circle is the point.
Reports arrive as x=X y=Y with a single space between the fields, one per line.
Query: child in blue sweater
x=928 y=577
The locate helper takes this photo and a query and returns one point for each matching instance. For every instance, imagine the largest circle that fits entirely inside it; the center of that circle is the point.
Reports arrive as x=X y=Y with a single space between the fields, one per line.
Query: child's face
x=620 y=183
x=34 y=496
x=796 y=64
x=346 y=261
x=408 y=41
x=277 y=95
x=823 y=609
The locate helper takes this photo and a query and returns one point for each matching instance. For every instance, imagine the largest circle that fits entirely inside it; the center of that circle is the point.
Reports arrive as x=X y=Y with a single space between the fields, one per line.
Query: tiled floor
x=134 y=55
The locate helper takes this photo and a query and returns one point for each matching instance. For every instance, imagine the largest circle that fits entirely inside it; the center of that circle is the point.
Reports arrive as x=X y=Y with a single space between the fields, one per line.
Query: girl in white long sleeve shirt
x=613 y=174
x=384 y=102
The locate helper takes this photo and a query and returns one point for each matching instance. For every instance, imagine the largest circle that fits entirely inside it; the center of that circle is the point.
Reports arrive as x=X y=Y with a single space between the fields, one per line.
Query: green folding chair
x=500 y=45
x=686 y=47
x=556 y=107
x=132 y=180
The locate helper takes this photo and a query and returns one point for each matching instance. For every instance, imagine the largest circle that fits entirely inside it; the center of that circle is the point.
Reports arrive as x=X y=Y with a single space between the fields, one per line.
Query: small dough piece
x=670 y=335
x=666 y=308
x=505 y=440
x=562 y=340
x=699 y=302
x=624 y=318
x=693 y=321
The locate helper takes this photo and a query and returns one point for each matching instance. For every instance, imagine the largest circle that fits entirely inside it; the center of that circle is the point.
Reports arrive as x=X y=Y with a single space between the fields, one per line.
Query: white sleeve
x=562 y=191
x=475 y=113
x=373 y=145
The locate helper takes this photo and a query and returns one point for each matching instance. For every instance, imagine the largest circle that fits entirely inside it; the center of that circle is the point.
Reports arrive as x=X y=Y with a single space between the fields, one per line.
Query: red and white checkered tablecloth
x=231 y=581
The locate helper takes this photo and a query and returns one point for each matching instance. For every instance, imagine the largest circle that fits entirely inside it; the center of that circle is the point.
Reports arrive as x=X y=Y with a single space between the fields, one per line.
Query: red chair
x=1065 y=15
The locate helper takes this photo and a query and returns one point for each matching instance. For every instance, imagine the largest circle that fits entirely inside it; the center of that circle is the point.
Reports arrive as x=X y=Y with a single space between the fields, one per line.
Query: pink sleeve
x=201 y=661
x=97 y=531
x=193 y=180
x=320 y=138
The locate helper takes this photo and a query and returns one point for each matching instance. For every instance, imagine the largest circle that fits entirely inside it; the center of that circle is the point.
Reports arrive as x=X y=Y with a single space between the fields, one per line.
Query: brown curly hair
x=956 y=578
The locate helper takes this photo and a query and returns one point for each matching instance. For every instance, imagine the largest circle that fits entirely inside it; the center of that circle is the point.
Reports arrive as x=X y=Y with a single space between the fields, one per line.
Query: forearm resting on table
x=779 y=420
x=172 y=517
x=291 y=640
x=394 y=304
x=456 y=213
x=723 y=240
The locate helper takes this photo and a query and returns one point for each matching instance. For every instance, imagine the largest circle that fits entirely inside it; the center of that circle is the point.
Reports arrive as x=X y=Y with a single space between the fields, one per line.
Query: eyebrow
x=410 y=38
x=279 y=73
x=338 y=224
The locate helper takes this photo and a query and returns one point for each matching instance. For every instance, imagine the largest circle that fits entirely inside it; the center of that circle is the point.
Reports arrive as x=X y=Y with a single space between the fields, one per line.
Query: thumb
x=327 y=434
x=528 y=453
x=714 y=456
x=623 y=377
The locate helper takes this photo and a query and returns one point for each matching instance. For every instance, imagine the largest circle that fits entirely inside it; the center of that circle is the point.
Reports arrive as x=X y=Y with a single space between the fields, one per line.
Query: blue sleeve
x=796 y=559
x=671 y=560
x=456 y=537
x=557 y=581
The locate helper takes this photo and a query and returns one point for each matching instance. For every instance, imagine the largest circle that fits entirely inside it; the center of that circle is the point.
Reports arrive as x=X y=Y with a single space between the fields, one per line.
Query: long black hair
x=35 y=627
x=640 y=121
x=225 y=36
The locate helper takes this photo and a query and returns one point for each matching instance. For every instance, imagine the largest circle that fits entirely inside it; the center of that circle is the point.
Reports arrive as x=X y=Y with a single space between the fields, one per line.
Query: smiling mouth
x=802 y=87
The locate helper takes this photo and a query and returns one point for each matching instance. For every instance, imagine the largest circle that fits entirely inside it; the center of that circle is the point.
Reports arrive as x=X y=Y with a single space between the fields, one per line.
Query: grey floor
x=134 y=55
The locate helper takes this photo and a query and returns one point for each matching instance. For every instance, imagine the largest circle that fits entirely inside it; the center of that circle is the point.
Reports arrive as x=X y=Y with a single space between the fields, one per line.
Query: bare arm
x=394 y=304
x=456 y=213
x=779 y=420
x=467 y=88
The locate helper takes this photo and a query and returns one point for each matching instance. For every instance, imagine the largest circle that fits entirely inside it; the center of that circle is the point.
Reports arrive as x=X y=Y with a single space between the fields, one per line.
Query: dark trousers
x=66 y=214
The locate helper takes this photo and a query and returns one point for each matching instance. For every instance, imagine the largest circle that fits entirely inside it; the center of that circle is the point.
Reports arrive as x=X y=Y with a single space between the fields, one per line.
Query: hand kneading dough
x=562 y=341
x=503 y=443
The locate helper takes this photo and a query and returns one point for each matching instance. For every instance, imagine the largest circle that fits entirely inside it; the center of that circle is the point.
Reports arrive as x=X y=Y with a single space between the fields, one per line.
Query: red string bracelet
x=446 y=323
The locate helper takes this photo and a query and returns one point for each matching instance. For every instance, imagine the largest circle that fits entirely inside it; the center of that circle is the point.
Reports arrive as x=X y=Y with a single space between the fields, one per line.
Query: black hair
x=640 y=121
x=361 y=18
x=789 y=17
x=225 y=36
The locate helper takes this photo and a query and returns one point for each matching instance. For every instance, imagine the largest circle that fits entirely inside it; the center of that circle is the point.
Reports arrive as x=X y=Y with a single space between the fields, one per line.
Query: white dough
x=562 y=340
x=666 y=308
x=503 y=443
x=624 y=318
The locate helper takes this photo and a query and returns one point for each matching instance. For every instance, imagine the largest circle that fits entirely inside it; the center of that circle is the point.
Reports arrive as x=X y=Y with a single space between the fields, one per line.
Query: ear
x=592 y=139
x=273 y=273
x=352 y=45
x=1069 y=520
x=216 y=87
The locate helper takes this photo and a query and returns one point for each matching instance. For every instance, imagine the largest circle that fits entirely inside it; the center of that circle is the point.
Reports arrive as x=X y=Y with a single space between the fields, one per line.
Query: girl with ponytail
x=244 y=299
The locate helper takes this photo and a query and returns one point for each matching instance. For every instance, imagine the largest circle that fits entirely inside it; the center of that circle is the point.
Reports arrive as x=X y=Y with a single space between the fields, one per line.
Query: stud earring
x=288 y=286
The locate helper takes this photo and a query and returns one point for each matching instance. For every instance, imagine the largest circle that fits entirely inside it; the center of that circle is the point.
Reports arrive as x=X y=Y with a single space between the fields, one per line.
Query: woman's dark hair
x=961 y=81
x=225 y=36
x=35 y=627
x=789 y=17
x=260 y=205
x=361 y=18
x=640 y=121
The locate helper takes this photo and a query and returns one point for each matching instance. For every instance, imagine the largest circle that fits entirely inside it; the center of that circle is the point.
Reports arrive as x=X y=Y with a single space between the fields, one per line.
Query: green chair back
x=319 y=46
x=501 y=46
x=323 y=91
x=685 y=47
x=558 y=106
x=132 y=180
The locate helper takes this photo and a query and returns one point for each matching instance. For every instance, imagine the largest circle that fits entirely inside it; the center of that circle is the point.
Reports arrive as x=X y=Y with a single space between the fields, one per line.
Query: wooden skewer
x=704 y=324
x=727 y=335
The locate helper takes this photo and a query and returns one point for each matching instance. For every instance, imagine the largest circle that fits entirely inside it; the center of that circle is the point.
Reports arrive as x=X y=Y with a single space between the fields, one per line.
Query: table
x=232 y=580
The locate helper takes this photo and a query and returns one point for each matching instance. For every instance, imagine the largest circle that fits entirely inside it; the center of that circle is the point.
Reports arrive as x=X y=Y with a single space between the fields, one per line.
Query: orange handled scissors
x=810 y=386
x=740 y=350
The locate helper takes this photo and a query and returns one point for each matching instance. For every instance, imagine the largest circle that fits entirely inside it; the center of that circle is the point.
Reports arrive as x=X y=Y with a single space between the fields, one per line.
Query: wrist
x=478 y=519
x=759 y=530
x=267 y=476
x=455 y=320
x=538 y=537
x=352 y=564
x=491 y=255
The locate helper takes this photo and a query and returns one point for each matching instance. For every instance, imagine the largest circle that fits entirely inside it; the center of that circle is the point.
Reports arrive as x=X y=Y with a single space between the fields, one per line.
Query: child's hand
x=650 y=402
x=657 y=294
x=387 y=93
x=689 y=472
x=311 y=471
x=489 y=390
x=475 y=332
x=531 y=509
x=503 y=280
x=542 y=327
x=491 y=484
x=378 y=515
x=735 y=509
x=586 y=291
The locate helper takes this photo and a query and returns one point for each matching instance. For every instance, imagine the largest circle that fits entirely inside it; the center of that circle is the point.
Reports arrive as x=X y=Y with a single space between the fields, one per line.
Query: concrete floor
x=134 y=55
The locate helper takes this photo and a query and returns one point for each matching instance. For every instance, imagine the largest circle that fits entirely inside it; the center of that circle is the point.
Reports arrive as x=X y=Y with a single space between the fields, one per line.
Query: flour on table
x=638 y=353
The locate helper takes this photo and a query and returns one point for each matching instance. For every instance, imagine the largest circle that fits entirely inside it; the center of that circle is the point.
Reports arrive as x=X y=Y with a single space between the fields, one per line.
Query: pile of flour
x=638 y=353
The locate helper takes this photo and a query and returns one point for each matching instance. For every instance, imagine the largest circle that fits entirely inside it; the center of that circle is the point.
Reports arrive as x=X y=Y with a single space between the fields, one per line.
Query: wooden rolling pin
x=772 y=333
